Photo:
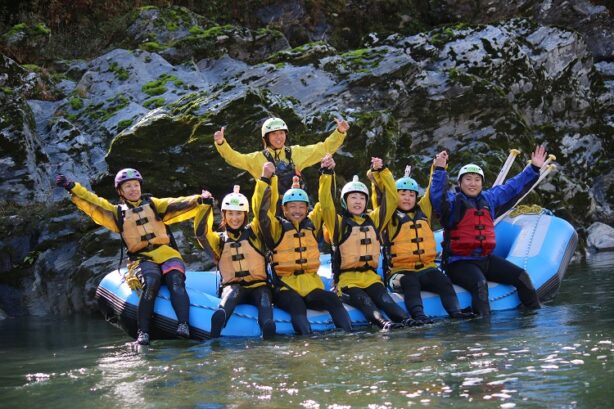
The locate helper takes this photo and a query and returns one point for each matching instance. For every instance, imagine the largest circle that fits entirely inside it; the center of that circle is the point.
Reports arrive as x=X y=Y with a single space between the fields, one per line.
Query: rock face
x=154 y=104
x=600 y=237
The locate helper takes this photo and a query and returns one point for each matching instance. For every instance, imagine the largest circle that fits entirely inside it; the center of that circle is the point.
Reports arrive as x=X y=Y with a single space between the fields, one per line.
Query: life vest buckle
x=148 y=236
x=238 y=257
x=142 y=221
x=235 y=245
x=301 y=261
x=366 y=258
x=364 y=228
x=365 y=241
x=417 y=240
x=480 y=237
x=299 y=234
x=300 y=249
x=298 y=272
x=240 y=274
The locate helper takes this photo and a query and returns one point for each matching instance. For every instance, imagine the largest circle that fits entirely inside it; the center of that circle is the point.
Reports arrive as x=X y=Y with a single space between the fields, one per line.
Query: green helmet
x=470 y=168
x=407 y=183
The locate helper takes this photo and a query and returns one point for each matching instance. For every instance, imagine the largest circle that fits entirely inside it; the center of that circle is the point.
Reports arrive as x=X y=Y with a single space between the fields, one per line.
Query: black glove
x=63 y=181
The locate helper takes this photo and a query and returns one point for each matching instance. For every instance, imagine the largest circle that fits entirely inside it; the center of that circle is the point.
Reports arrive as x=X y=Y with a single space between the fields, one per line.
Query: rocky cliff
x=477 y=78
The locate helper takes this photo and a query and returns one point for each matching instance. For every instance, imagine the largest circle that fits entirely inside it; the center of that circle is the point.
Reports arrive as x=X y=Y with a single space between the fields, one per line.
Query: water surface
x=559 y=357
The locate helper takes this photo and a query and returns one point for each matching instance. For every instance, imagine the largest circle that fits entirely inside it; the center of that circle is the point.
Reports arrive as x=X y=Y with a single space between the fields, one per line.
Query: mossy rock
x=306 y=54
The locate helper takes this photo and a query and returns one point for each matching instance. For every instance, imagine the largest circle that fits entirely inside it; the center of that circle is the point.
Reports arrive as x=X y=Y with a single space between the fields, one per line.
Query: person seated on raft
x=355 y=236
x=238 y=251
x=289 y=160
x=153 y=256
x=410 y=248
x=467 y=217
x=292 y=240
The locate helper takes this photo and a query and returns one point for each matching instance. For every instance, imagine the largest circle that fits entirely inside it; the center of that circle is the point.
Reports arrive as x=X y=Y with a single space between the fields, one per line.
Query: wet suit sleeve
x=246 y=161
x=270 y=227
x=442 y=202
x=382 y=214
x=203 y=229
x=176 y=209
x=324 y=213
x=425 y=201
x=99 y=209
x=504 y=196
x=305 y=156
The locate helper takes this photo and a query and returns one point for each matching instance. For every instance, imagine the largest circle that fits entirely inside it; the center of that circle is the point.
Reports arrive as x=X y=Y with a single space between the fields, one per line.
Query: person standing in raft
x=142 y=221
x=467 y=217
x=292 y=240
x=411 y=251
x=289 y=161
x=238 y=251
x=356 y=249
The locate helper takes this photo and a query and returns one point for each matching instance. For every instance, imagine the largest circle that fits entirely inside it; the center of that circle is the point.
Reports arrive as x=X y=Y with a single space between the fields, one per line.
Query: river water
x=558 y=357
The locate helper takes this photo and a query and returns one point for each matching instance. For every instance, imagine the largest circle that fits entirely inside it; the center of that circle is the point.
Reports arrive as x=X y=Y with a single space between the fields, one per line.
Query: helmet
x=295 y=193
x=127 y=174
x=273 y=124
x=354 y=186
x=407 y=183
x=470 y=168
x=235 y=201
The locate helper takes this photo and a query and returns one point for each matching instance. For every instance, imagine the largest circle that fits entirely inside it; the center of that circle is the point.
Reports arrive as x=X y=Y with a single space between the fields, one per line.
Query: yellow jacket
x=271 y=227
x=302 y=156
x=380 y=216
x=106 y=214
x=211 y=241
x=425 y=206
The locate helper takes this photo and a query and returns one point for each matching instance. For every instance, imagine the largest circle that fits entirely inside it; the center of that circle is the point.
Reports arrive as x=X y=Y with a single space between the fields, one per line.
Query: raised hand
x=328 y=162
x=206 y=194
x=538 y=157
x=342 y=125
x=377 y=163
x=441 y=159
x=218 y=136
x=63 y=181
x=268 y=170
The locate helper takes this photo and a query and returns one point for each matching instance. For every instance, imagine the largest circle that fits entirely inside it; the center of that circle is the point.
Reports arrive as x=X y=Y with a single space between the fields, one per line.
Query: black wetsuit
x=234 y=294
x=370 y=300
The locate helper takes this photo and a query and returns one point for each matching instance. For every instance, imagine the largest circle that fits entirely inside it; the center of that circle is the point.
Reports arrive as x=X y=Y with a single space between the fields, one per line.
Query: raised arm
x=99 y=209
x=305 y=156
x=203 y=227
x=437 y=187
x=264 y=207
x=324 y=212
x=245 y=161
x=382 y=214
x=176 y=209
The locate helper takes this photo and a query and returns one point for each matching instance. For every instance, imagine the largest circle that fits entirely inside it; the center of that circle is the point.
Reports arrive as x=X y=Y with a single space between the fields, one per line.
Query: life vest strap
x=240 y=274
x=365 y=241
x=298 y=272
x=300 y=249
x=368 y=257
x=148 y=236
x=301 y=261
x=417 y=240
x=142 y=221
x=299 y=234
x=238 y=257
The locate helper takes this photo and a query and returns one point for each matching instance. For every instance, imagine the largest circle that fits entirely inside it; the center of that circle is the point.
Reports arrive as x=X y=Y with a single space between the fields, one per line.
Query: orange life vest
x=240 y=262
x=141 y=227
x=297 y=251
x=359 y=248
x=412 y=246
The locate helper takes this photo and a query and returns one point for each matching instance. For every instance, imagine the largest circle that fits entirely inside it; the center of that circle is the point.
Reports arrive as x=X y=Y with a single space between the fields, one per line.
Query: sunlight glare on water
x=559 y=356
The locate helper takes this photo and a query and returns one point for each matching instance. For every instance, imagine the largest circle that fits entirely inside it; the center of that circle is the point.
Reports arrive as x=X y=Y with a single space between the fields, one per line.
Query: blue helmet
x=407 y=183
x=295 y=194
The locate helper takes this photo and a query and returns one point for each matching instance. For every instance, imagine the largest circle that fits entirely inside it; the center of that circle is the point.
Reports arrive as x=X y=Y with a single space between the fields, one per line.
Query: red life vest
x=474 y=233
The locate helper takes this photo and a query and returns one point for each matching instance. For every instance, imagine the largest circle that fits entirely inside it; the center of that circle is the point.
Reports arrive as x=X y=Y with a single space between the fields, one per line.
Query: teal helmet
x=407 y=183
x=295 y=194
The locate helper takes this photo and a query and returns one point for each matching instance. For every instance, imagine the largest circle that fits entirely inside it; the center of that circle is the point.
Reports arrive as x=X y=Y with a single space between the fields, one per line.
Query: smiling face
x=130 y=190
x=407 y=200
x=234 y=218
x=471 y=184
x=277 y=139
x=295 y=211
x=356 y=203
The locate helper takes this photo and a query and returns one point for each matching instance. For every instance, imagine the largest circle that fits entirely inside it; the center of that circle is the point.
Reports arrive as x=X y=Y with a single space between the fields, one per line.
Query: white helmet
x=354 y=186
x=470 y=168
x=273 y=124
x=235 y=201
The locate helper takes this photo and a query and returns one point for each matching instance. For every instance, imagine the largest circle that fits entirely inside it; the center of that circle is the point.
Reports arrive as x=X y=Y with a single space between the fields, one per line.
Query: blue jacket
x=499 y=198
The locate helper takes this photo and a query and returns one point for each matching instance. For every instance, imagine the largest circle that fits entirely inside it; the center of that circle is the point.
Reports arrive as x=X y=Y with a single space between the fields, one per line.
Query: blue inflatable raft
x=542 y=244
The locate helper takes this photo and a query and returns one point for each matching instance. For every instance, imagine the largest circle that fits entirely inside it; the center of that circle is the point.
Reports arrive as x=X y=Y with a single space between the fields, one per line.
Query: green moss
x=32 y=67
x=6 y=90
x=76 y=103
x=121 y=73
x=172 y=26
x=196 y=30
x=123 y=124
x=152 y=46
x=41 y=28
x=158 y=86
x=154 y=103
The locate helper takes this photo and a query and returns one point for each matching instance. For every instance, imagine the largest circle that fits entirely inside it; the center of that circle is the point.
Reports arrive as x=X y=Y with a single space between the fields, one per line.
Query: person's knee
x=525 y=280
x=175 y=280
x=151 y=285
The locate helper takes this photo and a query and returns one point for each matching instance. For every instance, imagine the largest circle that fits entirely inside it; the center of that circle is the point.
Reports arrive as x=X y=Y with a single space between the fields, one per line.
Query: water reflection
x=559 y=356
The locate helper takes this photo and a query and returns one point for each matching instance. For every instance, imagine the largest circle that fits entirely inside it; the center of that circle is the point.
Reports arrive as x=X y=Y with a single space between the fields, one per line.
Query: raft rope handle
x=131 y=279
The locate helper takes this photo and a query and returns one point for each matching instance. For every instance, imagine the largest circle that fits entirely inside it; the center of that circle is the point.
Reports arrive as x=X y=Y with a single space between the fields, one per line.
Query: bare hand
x=441 y=159
x=538 y=157
x=218 y=136
x=206 y=194
x=342 y=125
x=328 y=162
x=377 y=163
x=268 y=170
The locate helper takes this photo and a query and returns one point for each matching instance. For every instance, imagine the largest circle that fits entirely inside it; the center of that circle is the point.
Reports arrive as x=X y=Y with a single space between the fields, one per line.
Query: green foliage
x=121 y=73
x=123 y=124
x=76 y=103
x=152 y=46
x=158 y=87
x=154 y=103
